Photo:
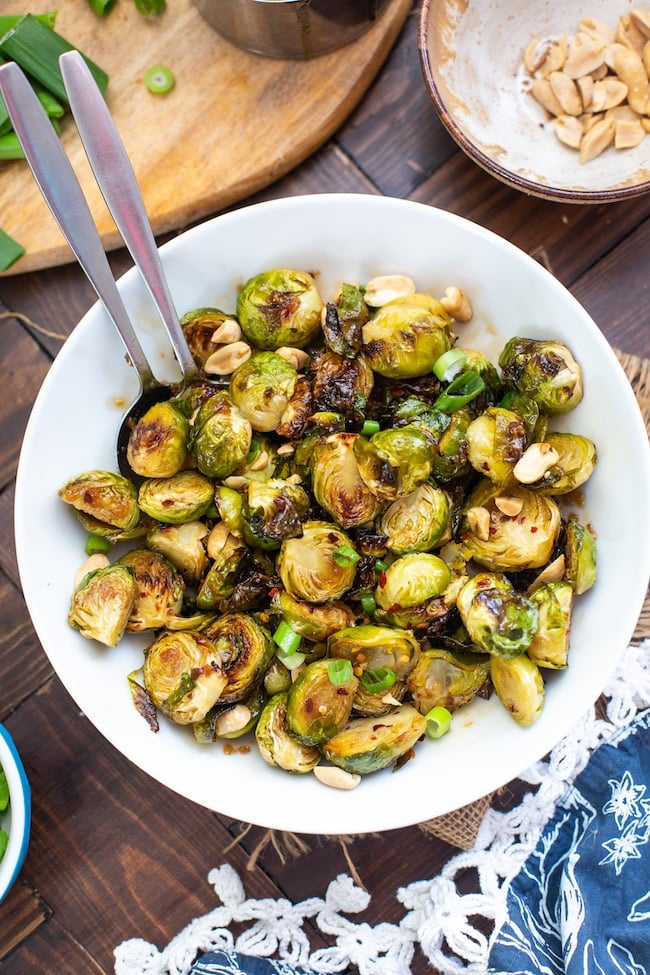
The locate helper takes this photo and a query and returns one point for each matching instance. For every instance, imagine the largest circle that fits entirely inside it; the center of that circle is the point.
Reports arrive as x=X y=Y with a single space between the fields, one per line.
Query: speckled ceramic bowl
x=472 y=56
x=16 y=820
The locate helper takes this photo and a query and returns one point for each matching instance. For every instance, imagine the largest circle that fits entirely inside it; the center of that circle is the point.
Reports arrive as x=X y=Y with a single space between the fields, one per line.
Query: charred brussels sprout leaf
x=307 y=565
x=498 y=619
x=183 y=497
x=404 y=337
x=280 y=308
x=519 y=686
x=580 y=556
x=182 y=675
x=261 y=389
x=446 y=678
x=545 y=371
x=344 y=320
x=368 y=744
x=102 y=604
x=276 y=746
x=160 y=589
x=158 y=443
x=221 y=437
x=337 y=483
x=316 y=707
x=107 y=498
x=341 y=385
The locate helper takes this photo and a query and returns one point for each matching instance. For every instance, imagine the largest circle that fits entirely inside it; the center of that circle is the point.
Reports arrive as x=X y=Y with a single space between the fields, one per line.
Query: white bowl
x=16 y=821
x=341 y=237
x=471 y=56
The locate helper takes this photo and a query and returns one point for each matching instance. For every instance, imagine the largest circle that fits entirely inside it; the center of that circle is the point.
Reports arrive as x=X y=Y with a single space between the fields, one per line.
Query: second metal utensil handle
x=117 y=181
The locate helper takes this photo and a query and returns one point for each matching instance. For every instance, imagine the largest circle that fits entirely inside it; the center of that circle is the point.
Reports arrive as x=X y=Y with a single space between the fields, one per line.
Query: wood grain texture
x=234 y=122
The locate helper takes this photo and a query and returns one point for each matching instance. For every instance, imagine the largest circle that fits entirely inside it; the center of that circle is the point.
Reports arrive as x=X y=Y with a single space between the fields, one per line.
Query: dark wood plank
x=7 y=544
x=23 y=665
x=22 y=913
x=53 y=948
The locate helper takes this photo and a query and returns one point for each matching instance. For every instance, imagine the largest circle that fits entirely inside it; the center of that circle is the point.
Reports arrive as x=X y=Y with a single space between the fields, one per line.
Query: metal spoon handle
x=117 y=181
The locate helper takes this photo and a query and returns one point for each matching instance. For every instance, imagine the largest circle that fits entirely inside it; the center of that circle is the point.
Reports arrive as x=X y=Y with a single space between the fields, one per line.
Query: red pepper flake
x=382 y=578
x=533 y=529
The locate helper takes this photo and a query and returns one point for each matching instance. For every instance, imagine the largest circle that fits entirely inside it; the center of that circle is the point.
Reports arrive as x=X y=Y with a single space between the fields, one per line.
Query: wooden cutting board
x=234 y=123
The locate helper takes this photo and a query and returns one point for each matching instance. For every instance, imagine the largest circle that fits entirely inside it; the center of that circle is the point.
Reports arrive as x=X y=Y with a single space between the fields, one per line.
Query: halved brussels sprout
x=276 y=746
x=221 y=578
x=370 y=647
x=580 y=555
x=544 y=370
x=404 y=337
x=199 y=326
x=550 y=645
x=160 y=589
x=244 y=650
x=158 y=443
x=297 y=411
x=337 y=484
x=514 y=542
x=342 y=385
x=497 y=619
x=315 y=567
x=374 y=704
x=272 y=511
x=519 y=686
x=261 y=389
x=447 y=678
x=394 y=462
x=182 y=497
x=575 y=464
x=221 y=437
x=369 y=744
x=313 y=622
x=102 y=603
x=495 y=441
x=412 y=580
x=183 y=676
x=318 y=708
x=280 y=307
x=418 y=521
x=229 y=504
x=103 y=496
x=183 y=546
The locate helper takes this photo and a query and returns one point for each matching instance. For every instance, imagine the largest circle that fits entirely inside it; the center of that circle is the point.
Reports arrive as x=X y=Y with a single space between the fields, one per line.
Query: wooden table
x=113 y=854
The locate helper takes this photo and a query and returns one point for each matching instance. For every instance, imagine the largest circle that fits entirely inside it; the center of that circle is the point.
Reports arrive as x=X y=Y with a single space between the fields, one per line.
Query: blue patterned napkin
x=221 y=962
x=581 y=903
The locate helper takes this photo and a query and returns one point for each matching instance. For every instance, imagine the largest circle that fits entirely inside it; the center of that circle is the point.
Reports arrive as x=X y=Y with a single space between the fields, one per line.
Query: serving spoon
x=116 y=179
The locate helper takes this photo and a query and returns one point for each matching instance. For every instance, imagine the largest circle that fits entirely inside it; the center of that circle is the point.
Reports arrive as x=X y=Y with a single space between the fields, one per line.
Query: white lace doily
x=449 y=926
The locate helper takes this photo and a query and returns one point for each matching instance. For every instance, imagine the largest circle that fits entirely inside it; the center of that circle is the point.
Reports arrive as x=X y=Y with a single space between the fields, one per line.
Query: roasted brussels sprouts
x=221 y=437
x=447 y=678
x=160 y=589
x=550 y=645
x=495 y=442
x=318 y=708
x=182 y=676
x=580 y=556
x=394 y=462
x=368 y=744
x=499 y=620
x=337 y=483
x=199 y=327
x=272 y=511
x=315 y=622
x=344 y=320
x=261 y=389
x=404 y=337
x=543 y=370
x=232 y=720
x=343 y=386
x=102 y=603
x=519 y=686
x=183 y=545
x=410 y=581
x=110 y=499
x=158 y=443
x=280 y=308
x=244 y=650
x=221 y=578
x=276 y=746
x=183 y=497
x=512 y=542
x=575 y=464
x=417 y=522
x=372 y=648
x=317 y=567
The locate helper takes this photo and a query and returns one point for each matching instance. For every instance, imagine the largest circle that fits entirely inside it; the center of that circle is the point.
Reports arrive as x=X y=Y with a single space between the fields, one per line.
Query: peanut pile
x=595 y=85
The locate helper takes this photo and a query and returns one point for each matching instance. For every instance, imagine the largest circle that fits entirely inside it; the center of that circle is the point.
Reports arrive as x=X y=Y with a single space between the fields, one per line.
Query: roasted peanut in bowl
x=550 y=99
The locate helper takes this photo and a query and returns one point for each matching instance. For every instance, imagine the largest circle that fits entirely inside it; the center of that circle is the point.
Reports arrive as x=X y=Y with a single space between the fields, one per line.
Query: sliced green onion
x=438 y=721
x=449 y=364
x=291 y=660
x=286 y=639
x=340 y=672
x=376 y=681
x=97 y=544
x=460 y=392
x=380 y=565
x=10 y=147
x=159 y=79
x=369 y=427
x=102 y=7
x=345 y=556
x=10 y=251
x=150 y=7
x=52 y=105
x=368 y=603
